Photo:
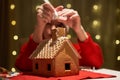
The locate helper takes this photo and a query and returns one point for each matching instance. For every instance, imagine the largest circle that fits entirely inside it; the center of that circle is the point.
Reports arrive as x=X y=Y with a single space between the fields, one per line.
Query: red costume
x=90 y=52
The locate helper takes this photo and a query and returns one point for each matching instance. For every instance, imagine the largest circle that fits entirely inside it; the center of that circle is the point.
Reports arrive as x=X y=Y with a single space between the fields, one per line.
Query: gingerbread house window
x=49 y=67
x=67 y=66
x=36 y=66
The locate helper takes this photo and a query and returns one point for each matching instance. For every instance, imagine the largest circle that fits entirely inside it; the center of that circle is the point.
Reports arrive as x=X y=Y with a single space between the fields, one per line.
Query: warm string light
x=68 y=5
x=118 y=10
x=13 y=22
x=118 y=58
x=14 y=53
x=13 y=69
x=12 y=6
x=97 y=37
x=96 y=8
x=15 y=37
x=96 y=24
x=117 y=42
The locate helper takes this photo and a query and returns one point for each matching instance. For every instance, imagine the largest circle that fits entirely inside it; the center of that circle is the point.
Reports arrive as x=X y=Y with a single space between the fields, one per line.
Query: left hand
x=70 y=18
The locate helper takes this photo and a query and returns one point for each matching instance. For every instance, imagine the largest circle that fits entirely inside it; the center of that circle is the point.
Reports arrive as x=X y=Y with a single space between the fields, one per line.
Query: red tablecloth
x=83 y=74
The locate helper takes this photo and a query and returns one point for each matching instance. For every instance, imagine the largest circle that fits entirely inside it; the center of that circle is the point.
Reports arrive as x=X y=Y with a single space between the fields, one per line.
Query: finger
x=76 y=15
x=66 y=14
x=41 y=17
x=47 y=19
x=47 y=13
x=39 y=9
x=62 y=12
x=48 y=7
x=69 y=13
x=59 y=8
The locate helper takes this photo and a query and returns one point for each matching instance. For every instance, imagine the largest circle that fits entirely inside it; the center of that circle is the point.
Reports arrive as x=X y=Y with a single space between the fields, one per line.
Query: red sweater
x=89 y=50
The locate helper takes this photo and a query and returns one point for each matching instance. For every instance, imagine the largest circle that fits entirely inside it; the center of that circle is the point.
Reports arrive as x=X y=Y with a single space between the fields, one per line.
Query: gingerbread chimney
x=58 y=32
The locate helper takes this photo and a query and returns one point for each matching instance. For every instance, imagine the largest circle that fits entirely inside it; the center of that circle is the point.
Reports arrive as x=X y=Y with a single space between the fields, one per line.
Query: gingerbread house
x=56 y=56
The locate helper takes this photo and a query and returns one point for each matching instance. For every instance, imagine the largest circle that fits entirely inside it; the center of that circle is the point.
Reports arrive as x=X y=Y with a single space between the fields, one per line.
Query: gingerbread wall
x=43 y=67
x=66 y=55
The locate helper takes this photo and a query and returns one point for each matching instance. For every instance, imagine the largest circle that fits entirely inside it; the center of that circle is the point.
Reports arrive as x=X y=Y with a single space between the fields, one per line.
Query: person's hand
x=44 y=14
x=70 y=18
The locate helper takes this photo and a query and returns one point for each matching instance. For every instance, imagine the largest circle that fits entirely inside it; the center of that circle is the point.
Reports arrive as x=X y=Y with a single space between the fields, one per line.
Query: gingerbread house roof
x=48 y=49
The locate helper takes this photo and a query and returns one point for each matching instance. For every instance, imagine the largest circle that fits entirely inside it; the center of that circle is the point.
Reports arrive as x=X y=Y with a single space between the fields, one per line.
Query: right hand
x=44 y=14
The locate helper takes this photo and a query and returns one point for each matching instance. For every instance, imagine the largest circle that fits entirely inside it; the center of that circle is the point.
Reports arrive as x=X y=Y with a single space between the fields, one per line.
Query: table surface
x=107 y=71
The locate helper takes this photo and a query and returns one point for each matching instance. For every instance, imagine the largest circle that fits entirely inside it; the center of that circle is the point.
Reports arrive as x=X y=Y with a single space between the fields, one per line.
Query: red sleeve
x=23 y=62
x=90 y=52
